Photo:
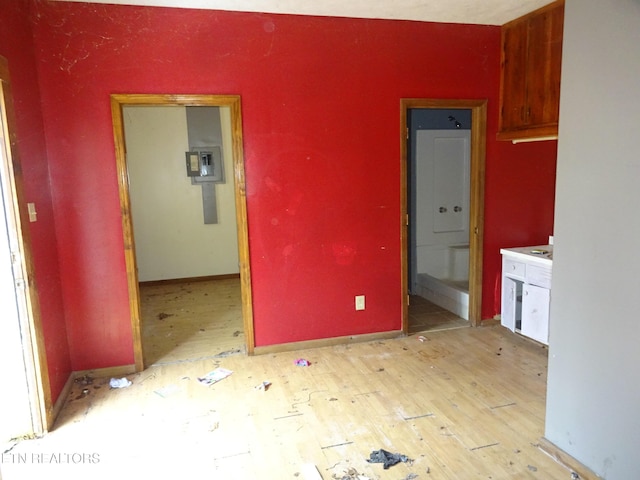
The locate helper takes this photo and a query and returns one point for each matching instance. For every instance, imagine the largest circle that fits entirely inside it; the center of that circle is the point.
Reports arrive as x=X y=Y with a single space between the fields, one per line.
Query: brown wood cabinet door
x=513 y=96
x=544 y=63
x=530 y=74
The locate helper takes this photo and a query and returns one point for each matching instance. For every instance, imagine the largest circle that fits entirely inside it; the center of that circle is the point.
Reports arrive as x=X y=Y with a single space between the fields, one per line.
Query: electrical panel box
x=205 y=165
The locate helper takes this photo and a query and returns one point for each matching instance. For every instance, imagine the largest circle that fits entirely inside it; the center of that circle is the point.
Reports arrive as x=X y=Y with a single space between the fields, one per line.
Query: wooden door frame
x=476 y=214
x=118 y=102
x=33 y=347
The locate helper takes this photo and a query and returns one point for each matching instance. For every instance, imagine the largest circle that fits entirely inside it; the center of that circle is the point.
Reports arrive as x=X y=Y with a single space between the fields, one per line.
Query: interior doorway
x=185 y=232
x=231 y=104
x=475 y=199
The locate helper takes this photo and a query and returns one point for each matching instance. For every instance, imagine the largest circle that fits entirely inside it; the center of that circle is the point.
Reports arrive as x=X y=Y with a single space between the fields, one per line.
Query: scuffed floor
x=461 y=404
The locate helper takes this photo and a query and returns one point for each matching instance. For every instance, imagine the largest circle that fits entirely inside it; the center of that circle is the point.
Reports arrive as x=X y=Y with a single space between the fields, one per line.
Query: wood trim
x=563 y=458
x=242 y=224
x=64 y=396
x=187 y=100
x=127 y=230
x=209 y=278
x=119 y=371
x=405 y=105
x=34 y=347
x=529 y=133
x=327 y=342
x=476 y=219
x=476 y=215
x=118 y=101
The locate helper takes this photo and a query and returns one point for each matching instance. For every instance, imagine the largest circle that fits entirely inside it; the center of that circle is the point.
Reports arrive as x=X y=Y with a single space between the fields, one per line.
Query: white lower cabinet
x=535 y=313
x=526 y=291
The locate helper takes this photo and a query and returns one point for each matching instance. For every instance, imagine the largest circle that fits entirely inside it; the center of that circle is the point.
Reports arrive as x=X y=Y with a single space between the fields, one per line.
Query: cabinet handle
x=457 y=209
x=442 y=209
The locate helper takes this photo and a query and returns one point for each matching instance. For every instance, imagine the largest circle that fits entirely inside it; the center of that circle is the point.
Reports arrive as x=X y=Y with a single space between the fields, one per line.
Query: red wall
x=321 y=100
x=519 y=207
x=16 y=45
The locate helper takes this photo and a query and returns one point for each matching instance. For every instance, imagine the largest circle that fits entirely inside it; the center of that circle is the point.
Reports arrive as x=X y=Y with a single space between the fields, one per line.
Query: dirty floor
x=460 y=404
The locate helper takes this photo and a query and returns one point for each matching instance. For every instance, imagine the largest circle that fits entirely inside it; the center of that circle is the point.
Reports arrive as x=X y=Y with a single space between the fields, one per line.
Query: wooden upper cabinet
x=530 y=74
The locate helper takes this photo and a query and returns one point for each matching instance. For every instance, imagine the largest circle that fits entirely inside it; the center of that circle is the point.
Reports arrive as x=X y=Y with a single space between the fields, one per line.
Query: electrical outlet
x=359 y=302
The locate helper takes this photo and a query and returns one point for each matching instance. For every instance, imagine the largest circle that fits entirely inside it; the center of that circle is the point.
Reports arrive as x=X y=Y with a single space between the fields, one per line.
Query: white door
x=441 y=219
x=450 y=181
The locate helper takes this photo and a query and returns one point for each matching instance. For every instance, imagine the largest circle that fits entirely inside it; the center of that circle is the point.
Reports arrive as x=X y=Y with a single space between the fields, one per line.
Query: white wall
x=171 y=238
x=593 y=396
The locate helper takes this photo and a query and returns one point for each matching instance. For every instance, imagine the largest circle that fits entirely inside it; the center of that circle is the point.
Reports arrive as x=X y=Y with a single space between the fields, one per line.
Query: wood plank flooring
x=190 y=320
x=466 y=403
x=201 y=319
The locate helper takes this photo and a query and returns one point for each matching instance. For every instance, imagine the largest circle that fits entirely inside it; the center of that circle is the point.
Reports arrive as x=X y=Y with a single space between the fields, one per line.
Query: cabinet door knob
x=442 y=209
x=457 y=209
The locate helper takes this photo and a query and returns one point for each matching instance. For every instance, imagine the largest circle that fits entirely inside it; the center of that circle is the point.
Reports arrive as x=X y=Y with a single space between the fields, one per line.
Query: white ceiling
x=484 y=12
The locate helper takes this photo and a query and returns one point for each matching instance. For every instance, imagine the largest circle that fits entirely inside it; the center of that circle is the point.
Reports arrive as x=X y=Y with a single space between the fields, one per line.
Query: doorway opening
x=451 y=245
x=229 y=107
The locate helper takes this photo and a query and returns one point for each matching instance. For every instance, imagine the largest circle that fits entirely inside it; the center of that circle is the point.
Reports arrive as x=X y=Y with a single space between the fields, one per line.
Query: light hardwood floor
x=201 y=319
x=465 y=403
x=185 y=321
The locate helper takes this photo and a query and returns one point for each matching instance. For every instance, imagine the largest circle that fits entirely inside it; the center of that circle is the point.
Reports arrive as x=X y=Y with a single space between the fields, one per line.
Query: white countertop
x=539 y=253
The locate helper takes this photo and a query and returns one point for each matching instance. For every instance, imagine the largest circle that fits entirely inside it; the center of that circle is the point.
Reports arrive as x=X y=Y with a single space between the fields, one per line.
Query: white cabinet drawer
x=513 y=268
x=539 y=275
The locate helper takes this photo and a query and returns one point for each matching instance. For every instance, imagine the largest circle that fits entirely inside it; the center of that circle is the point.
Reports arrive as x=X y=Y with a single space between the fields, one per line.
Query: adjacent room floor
x=191 y=320
x=425 y=316
x=461 y=404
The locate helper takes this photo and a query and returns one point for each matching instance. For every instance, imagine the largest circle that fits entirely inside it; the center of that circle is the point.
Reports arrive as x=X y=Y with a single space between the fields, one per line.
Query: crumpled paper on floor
x=119 y=382
x=215 y=376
